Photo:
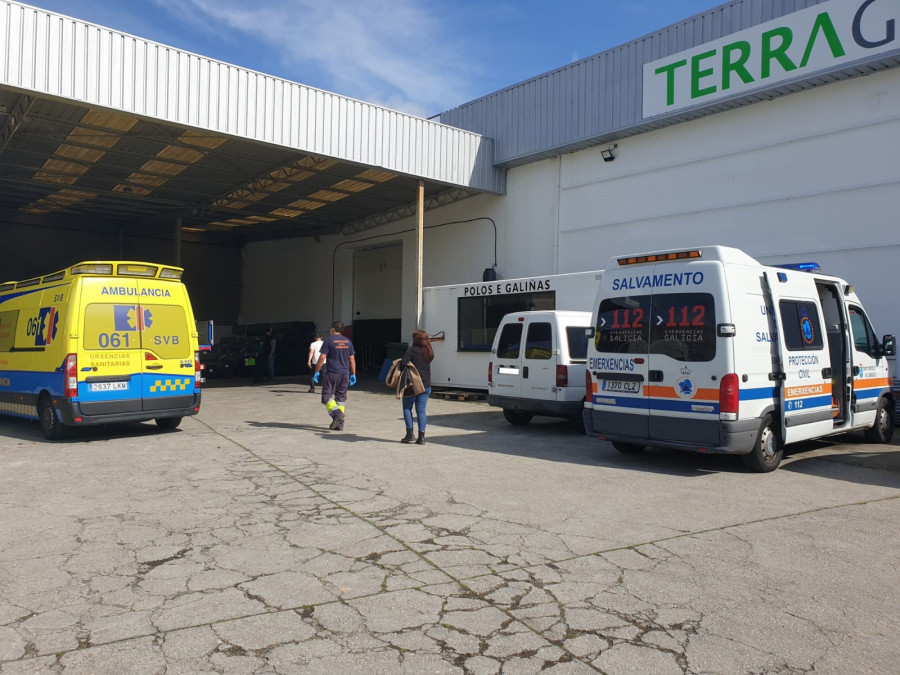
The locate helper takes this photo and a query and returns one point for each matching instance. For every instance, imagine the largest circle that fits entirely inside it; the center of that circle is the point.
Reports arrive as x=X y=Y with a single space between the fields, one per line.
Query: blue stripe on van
x=758 y=393
x=661 y=404
x=33 y=381
x=810 y=403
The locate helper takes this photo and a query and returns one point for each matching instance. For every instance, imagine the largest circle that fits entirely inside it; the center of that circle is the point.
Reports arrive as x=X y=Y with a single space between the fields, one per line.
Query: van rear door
x=167 y=353
x=507 y=363
x=805 y=392
x=685 y=366
x=620 y=369
x=539 y=359
x=109 y=362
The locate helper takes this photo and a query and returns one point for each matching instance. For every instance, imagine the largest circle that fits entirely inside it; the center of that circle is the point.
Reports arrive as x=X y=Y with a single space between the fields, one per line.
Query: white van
x=537 y=366
x=709 y=350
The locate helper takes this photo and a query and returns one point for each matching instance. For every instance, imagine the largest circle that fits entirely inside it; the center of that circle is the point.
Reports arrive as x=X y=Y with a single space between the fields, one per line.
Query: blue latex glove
x=316 y=378
x=352 y=380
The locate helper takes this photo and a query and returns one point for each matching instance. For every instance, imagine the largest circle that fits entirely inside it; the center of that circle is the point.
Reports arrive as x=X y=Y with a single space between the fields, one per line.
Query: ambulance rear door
x=805 y=369
x=165 y=324
x=685 y=359
x=110 y=359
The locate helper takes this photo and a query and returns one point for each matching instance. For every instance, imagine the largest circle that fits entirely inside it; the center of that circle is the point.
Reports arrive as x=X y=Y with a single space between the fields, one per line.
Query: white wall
x=810 y=176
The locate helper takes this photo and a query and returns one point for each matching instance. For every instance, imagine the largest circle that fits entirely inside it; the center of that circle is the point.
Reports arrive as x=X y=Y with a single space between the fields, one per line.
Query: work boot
x=311 y=390
x=409 y=438
x=337 y=420
x=421 y=439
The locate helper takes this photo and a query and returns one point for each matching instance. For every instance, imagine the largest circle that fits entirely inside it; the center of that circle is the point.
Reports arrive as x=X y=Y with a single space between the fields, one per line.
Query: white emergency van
x=537 y=365
x=709 y=350
x=96 y=343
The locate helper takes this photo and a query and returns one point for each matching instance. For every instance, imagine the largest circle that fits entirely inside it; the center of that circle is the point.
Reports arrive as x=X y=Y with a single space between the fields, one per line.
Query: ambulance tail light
x=198 y=371
x=71 y=376
x=562 y=376
x=490 y=373
x=729 y=396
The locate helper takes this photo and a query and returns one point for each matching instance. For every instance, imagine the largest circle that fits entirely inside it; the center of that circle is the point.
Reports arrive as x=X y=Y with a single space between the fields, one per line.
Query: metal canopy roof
x=98 y=126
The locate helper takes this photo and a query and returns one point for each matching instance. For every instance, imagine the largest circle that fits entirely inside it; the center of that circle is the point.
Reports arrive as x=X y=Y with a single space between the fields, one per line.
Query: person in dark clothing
x=341 y=373
x=420 y=355
x=269 y=345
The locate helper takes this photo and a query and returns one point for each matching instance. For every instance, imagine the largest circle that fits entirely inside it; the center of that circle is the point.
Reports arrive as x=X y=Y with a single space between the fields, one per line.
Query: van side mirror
x=889 y=345
x=589 y=332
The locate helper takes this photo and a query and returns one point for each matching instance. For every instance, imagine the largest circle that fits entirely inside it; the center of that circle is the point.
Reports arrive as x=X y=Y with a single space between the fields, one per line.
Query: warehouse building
x=770 y=126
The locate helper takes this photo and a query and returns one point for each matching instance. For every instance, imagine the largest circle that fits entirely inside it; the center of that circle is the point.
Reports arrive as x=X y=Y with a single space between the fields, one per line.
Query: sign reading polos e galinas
x=814 y=39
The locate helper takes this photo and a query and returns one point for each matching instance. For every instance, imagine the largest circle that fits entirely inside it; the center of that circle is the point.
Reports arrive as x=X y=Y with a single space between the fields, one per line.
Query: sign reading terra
x=821 y=37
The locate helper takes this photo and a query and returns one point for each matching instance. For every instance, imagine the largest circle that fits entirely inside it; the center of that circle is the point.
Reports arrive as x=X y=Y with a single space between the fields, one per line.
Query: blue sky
x=418 y=56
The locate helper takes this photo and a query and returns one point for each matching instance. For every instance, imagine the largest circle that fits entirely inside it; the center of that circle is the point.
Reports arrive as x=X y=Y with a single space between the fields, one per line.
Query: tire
x=168 y=423
x=883 y=429
x=628 y=448
x=578 y=420
x=517 y=417
x=768 y=450
x=51 y=427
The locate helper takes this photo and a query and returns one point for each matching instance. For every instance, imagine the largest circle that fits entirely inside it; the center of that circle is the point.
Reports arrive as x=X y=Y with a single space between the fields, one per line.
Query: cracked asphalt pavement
x=255 y=540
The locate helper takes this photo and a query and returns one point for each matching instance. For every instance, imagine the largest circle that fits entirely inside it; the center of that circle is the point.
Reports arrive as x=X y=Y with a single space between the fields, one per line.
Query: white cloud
x=399 y=53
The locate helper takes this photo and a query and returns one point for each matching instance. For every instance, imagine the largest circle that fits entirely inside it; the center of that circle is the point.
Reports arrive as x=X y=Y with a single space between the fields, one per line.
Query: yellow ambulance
x=97 y=343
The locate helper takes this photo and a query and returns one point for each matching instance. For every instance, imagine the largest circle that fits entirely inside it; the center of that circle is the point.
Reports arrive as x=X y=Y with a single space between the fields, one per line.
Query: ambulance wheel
x=883 y=429
x=627 y=448
x=768 y=451
x=168 y=423
x=51 y=427
x=517 y=417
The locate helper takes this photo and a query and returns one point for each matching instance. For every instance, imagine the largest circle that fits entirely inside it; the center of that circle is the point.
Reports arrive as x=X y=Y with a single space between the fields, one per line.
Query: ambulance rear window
x=681 y=326
x=166 y=333
x=161 y=329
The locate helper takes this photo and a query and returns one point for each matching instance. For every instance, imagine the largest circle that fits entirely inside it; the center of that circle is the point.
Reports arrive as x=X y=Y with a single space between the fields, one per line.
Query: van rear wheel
x=768 y=450
x=168 y=423
x=517 y=417
x=883 y=429
x=51 y=427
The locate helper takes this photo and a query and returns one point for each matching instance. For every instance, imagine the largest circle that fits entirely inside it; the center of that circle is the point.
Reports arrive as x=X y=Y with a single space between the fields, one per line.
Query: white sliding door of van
x=805 y=393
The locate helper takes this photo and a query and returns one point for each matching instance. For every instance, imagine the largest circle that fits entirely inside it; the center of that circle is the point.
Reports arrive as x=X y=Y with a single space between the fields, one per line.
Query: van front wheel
x=51 y=427
x=168 y=423
x=768 y=450
x=883 y=429
x=517 y=417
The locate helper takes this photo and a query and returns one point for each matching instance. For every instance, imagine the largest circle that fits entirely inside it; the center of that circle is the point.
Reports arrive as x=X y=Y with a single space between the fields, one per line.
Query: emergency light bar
x=88 y=268
x=801 y=267
x=137 y=270
x=170 y=273
x=660 y=257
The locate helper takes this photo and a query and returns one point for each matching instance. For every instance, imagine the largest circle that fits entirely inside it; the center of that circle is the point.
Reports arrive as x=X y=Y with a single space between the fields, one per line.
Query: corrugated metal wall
x=54 y=55
x=597 y=99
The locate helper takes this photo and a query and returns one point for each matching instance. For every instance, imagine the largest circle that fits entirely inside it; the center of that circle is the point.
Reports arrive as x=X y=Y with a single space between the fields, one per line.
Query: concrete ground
x=255 y=540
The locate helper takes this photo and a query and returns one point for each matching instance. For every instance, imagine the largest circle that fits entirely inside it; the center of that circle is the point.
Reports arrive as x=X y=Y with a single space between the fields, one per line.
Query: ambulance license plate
x=109 y=386
x=626 y=387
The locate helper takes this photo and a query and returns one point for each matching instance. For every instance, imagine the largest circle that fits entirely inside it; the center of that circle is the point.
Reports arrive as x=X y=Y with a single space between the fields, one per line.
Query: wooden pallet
x=448 y=395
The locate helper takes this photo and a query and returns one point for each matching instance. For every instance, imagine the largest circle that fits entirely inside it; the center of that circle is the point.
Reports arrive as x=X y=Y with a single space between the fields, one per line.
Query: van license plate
x=109 y=386
x=626 y=387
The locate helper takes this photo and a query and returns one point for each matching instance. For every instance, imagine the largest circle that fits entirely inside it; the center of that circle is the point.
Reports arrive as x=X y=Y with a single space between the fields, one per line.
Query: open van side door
x=805 y=366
